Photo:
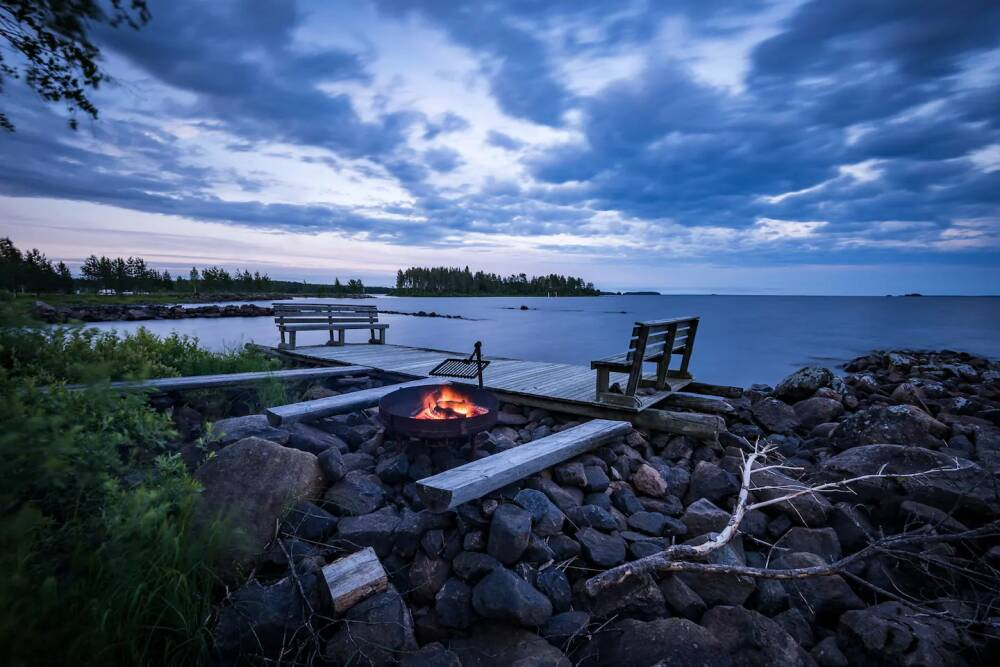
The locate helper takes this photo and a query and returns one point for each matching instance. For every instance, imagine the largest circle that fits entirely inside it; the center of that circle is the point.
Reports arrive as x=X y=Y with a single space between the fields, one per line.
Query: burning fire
x=446 y=403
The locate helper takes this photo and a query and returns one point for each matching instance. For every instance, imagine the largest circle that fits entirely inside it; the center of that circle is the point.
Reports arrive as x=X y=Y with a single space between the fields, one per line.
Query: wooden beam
x=229 y=379
x=351 y=579
x=702 y=427
x=474 y=480
x=714 y=390
x=712 y=406
x=336 y=405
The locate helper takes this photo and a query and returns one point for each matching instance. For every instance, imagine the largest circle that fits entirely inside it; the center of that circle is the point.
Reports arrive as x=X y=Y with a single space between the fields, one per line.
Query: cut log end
x=351 y=579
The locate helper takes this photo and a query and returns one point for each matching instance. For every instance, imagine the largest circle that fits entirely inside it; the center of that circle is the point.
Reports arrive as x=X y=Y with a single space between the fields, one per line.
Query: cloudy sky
x=820 y=147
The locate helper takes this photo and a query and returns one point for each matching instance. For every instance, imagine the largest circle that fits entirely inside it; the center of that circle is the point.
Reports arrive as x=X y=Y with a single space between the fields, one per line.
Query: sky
x=698 y=146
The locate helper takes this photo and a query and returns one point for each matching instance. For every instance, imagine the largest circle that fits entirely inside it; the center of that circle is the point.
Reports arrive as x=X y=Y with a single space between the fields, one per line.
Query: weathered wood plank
x=715 y=390
x=713 y=406
x=336 y=405
x=227 y=379
x=473 y=480
x=351 y=579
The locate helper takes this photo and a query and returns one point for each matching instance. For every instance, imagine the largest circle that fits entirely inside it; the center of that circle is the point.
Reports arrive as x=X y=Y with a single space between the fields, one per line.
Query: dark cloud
x=501 y=140
x=447 y=123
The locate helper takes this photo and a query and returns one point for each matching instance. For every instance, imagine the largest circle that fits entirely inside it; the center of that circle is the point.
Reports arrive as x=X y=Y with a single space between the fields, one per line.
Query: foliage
x=31 y=270
x=453 y=280
x=100 y=564
x=88 y=355
x=54 y=52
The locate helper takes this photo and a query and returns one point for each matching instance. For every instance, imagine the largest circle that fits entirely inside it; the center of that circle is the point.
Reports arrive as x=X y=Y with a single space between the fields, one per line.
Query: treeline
x=453 y=280
x=31 y=271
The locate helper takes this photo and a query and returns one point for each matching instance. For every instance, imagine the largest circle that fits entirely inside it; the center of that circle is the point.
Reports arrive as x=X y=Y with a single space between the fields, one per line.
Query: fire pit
x=438 y=411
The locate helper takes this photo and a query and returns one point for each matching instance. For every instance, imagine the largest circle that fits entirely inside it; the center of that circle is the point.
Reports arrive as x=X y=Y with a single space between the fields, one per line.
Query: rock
x=250 y=484
x=565 y=498
x=358 y=462
x=820 y=541
x=393 y=469
x=827 y=654
x=331 y=462
x=712 y=483
x=377 y=632
x=562 y=629
x=571 y=474
x=753 y=639
x=563 y=547
x=796 y=625
x=511 y=419
x=941 y=521
x=374 y=530
x=670 y=642
x=310 y=439
x=595 y=516
x=555 y=585
x=969 y=487
x=427 y=575
x=635 y=597
x=453 y=604
x=803 y=383
x=703 y=517
x=817 y=410
x=496 y=645
x=891 y=634
x=895 y=424
x=775 y=416
x=626 y=501
x=648 y=481
x=473 y=565
x=651 y=523
x=227 y=431
x=510 y=531
x=681 y=600
x=810 y=509
x=357 y=493
x=826 y=597
x=716 y=589
x=546 y=518
x=431 y=655
x=502 y=595
x=597 y=479
x=853 y=527
x=602 y=550
x=309 y=522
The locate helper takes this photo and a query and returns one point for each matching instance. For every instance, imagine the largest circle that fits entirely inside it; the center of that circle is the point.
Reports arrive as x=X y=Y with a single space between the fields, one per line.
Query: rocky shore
x=136 y=312
x=501 y=580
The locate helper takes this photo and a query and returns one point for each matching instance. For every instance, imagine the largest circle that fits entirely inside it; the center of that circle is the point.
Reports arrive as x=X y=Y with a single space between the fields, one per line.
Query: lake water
x=741 y=339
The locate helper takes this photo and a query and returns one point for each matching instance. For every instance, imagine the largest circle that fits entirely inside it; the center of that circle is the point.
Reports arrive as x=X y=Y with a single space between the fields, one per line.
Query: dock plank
x=232 y=379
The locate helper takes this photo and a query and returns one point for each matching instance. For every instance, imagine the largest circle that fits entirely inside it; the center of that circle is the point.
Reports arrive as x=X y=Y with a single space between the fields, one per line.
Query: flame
x=447 y=403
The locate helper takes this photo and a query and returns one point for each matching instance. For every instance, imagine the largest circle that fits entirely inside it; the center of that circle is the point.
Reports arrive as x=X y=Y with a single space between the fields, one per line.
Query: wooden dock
x=561 y=387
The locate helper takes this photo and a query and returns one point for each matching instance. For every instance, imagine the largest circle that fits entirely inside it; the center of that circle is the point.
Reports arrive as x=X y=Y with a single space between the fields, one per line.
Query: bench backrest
x=652 y=338
x=324 y=313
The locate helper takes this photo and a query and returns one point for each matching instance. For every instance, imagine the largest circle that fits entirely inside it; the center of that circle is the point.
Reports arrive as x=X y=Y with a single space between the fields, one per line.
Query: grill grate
x=463 y=368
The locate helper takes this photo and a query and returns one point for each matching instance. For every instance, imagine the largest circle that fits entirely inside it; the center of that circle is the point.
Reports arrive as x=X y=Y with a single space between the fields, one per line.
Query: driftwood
x=696 y=425
x=351 y=579
x=474 y=480
x=713 y=406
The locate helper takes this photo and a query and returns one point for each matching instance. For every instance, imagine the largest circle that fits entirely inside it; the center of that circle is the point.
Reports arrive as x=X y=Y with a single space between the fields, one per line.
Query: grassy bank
x=99 y=557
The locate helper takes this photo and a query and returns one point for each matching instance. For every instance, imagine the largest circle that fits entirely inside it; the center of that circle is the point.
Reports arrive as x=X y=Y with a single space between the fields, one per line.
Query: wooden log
x=351 y=579
x=232 y=379
x=714 y=390
x=336 y=405
x=474 y=480
x=712 y=406
x=702 y=427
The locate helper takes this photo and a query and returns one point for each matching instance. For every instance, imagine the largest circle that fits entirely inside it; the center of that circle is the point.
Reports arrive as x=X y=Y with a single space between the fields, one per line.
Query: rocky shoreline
x=137 y=312
x=501 y=580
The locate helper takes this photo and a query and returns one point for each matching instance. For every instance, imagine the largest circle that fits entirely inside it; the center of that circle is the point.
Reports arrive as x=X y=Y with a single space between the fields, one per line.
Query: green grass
x=100 y=561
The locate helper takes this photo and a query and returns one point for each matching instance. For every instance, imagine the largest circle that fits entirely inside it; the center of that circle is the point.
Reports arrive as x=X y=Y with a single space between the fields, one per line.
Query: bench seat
x=324 y=327
x=335 y=318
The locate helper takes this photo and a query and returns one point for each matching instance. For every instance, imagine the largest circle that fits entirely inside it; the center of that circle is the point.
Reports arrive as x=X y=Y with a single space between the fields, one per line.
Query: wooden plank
x=351 y=579
x=336 y=405
x=714 y=390
x=227 y=379
x=474 y=480
x=712 y=406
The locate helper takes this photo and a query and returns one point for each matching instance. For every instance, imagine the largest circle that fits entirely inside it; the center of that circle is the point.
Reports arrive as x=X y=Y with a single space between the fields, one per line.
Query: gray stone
x=473 y=565
x=652 y=523
x=310 y=439
x=374 y=530
x=227 y=431
x=377 y=631
x=546 y=518
x=453 y=604
x=498 y=645
x=681 y=600
x=571 y=474
x=502 y=595
x=357 y=493
x=602 y=550
x=712 y=483
x=803 y=383
x=820 y=541
x=562 y=629
x=309 y=522
x=775 y=416
x=818 y=410
x=754 y=638
x=826 y=597
x=703 y=517
x=670 y=642
x=891 y=634
x=331 y=462
x=555 y=585
x=648 y=481
x=510 y=531
x=895 y=424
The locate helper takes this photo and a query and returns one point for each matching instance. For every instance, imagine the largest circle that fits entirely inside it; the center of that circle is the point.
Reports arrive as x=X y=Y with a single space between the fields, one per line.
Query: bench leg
x=282 y=345
x=291 y=339
x=603 y=379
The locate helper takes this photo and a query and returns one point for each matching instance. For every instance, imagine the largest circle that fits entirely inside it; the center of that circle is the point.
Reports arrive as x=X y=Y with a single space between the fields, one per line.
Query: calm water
x=741 y=339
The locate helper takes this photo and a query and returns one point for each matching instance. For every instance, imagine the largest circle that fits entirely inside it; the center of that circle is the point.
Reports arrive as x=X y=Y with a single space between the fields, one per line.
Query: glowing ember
x=447 y=403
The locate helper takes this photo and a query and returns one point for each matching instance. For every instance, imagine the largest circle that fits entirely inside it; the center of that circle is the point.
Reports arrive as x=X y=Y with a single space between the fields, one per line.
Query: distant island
x=631 y=294
x=453 y=281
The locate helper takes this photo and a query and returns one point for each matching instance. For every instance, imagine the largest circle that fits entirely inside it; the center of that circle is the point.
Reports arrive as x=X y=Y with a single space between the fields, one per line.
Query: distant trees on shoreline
x=31 y=270
x=453 y=280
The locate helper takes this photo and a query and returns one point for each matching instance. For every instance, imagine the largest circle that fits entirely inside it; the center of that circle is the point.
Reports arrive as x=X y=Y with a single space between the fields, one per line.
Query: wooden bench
x=655 y=341
x=333 y=317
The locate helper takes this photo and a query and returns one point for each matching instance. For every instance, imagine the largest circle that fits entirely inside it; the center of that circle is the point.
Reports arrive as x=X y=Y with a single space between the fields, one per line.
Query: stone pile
x=499 y=581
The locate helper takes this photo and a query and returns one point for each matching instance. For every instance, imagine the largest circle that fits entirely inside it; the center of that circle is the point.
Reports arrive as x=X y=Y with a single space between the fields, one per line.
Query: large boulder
x=963 y=485
x=504 y=596
x=311 y=439
x=808 y=509
x=249 y=485
x=826 y=597
x=754 y=639
x=803 y=383
x=377 y=631
x=775 y=416
x=510 y=530
x=896 y=424
x=894 y=635
x=357 y=493
x=818 y=410
x=666 y=642
x=498 y=645
x=227 y=431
